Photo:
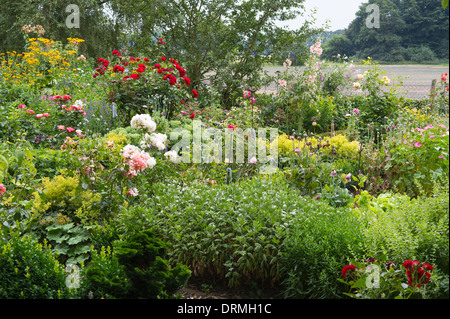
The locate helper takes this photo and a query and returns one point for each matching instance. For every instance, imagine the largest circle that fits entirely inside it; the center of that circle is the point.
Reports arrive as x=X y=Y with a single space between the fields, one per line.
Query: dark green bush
x=28 y=270
x=136 y=268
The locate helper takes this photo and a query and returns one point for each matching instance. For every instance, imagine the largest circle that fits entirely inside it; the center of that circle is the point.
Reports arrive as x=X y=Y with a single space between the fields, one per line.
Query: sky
x=339 y=13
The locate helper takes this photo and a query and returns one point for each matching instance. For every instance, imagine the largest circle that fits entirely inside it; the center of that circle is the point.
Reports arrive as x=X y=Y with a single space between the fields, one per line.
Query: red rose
x=172 y=79
x=231 y=126
x=187 y=81
x=157 y=66
x=118 y=68
x=141 y=68
x=146 y=60
x=182 y=72
x=134 y=76
x=427 y=266
x=160 y=70
x=407 y=264
x=194 y=94
x=164 y=59
x=346 y=269
x=100 y=60
x=192 y=116
x=116 y=52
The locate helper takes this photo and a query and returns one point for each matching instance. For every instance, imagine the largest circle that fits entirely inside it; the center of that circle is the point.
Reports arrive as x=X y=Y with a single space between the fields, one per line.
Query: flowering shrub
x=421 y=157
x=134 y=82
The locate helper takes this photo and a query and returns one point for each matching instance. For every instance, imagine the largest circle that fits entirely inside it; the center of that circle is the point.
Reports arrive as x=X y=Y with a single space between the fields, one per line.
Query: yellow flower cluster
x=42 y=57
x=343 y=146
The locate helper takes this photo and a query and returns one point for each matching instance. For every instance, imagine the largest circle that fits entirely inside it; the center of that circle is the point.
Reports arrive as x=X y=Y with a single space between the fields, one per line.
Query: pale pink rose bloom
x=39 y=116
x=70 y=129
x=61 y=127
x=253 y=160
x=79 y=132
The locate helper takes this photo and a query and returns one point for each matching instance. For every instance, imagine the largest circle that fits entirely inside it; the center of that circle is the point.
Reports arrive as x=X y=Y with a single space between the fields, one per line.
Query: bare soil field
x=416 y=78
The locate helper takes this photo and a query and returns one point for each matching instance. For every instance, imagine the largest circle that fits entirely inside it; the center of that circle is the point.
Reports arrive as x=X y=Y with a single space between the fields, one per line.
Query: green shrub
x=136 y=268
x=232 y=232
x=403 y=229
x=317 y=246
x=28 y=270
x=103 y=277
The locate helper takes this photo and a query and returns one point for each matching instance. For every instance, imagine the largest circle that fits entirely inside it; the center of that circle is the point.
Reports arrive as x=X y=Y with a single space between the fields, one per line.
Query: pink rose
x=46 y=114
x=70 y=129
x=39 y=116
x=61 y=127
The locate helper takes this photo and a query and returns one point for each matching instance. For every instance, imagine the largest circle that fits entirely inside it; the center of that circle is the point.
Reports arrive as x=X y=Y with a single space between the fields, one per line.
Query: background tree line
x=410 y=30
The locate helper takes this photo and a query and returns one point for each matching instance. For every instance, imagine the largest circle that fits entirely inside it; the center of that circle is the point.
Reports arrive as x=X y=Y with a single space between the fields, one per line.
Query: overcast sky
x=339 y=13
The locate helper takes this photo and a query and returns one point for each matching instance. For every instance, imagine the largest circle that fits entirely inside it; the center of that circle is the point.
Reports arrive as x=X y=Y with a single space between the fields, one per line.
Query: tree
x=382 y=43
x=405 y=26
x=96 y=28
x=338 y=45
x=224 y=41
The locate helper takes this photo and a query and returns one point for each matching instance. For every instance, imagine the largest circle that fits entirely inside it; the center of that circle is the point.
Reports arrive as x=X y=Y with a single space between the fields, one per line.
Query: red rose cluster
x=417 y=273
x=347 y=269
x=173 y=73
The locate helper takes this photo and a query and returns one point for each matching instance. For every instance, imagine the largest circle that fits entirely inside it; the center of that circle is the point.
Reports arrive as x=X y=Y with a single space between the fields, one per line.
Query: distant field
x=417 y=82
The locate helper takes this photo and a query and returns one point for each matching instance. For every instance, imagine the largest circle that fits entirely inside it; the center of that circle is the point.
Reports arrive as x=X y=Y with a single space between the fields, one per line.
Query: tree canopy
x=410 y=30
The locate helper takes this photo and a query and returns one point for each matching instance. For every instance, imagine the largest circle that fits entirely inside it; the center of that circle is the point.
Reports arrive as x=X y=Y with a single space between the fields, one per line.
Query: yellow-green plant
x=64 y=195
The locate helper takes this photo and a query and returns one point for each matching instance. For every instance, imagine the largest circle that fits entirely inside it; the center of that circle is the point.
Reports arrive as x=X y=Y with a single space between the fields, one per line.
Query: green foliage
x=71 y=243
x=316 y=247
x=233 y=232
x=419 y=25
x=402 y=228
x=103 y=277
x=65 y=195
x=236 y=38
x=136 y=269
x=28 y=270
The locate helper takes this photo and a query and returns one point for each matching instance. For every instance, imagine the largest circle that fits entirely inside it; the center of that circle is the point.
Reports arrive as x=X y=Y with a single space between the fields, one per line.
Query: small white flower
x=172 y=156
x=143 y=122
